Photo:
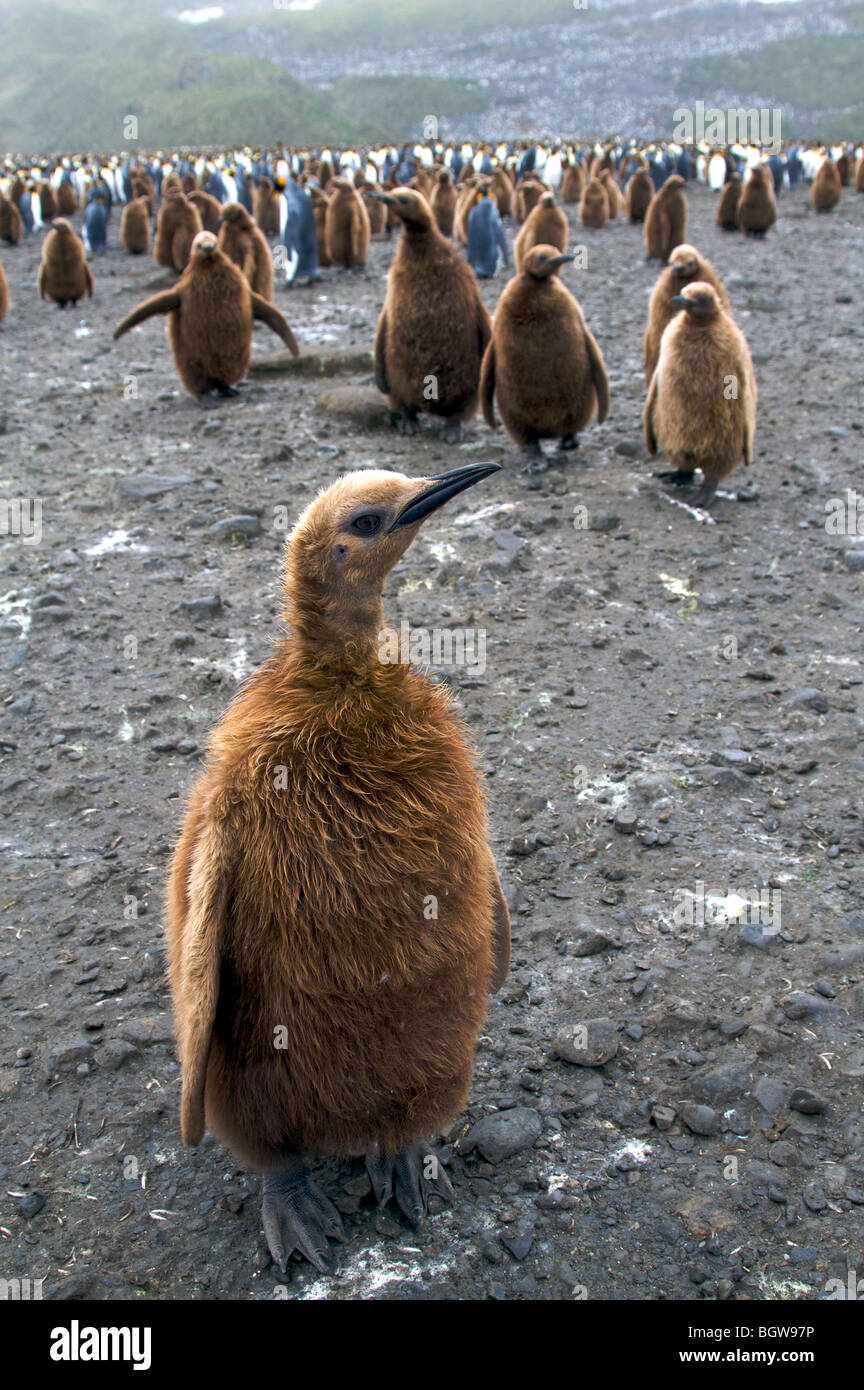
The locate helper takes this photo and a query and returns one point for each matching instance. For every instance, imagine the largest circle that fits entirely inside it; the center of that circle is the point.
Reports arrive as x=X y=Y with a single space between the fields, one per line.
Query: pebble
x=699 y=1119
x=807 y=1102
x=588 y=1042
x=31 y=1205
x=232 y=527
x=503 y=1134
x=814 y=1196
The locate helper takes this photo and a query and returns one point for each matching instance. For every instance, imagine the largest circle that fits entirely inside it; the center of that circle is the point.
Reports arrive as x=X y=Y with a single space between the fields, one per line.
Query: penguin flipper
x=487 y=386
x=163 y=303
x=501 y=922
x=484 y=326
x=381 y=356
x=41 y=282
x=267 y=313
x=650 y=437
x=598 y=376
x=88 y=276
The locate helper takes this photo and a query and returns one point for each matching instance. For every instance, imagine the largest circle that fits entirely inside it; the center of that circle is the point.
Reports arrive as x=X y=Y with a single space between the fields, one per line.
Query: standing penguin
x=727 y=208
x=177 y=226
x=613 y=193
x=245 y=244
x=529 y=191
x=135 y=227
x=96 y=226
x=265 y=206
x=757 y=206
x=211 y=310
x=64 y=274
x=638 y=197
x=11 y=226
x=826 y=188
x=341 y=802
x=666 y=220
x=545 y=225
x=4 y=295
x=444 y=202
x=685 y=266
x=486 y=236
x=859 y=175
x=208 y=208
x=434 y=327
x=542 y=364
x=594 y=208
x=502 y=191
x=701 y=406
x=572 y=182
x=346 y=226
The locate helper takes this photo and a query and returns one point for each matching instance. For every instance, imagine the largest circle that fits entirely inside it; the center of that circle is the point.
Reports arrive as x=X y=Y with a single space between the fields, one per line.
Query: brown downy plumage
x=135 y=227
x=844 y=170
x=188 y=183
x=209 y=210
x=443 y=202
x=245 y=244
x=466 y=198
x=4 y=295
x=859 y=176
x=177 y=226
x=11 y=225
x=64 y=274
x=826 y=189
x=47 y=201
x=701 y=406
x=171 y=183
x=572 y=183
x=757 y=206
x=529 y=191
x=434 y=327
x=727 y=208
x=666 y=220
x=613 y=193
x=265 y=206
x=594 y=208
x=542 y=364
x=376 y=211
x=501 y=189
x=334 y=885
x=639 y=196
x=346 y=225
x=685 y=266
x=210 y=313
x=545 y=225
x=66 y=203
x=319 y=208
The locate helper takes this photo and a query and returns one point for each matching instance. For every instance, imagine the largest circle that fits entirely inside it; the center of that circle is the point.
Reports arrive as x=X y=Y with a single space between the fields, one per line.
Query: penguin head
x=410 y=207
x=352 y=534
x=547 y=200
x=684 y=261
x=236 y=214
x=699 y=301
x=204 y=249
x=543 y=261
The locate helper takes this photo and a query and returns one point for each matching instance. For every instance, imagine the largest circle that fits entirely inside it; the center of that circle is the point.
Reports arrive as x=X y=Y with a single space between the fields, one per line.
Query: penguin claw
x=452 y=433
x=681 y=477
x=297 y=1216
x=569 y=441
x=412 y=1177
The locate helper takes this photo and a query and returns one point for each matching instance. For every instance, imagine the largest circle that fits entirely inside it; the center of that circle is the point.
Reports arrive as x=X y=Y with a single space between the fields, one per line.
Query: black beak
x=560 y=260
x=441 y=488
x=680 y=301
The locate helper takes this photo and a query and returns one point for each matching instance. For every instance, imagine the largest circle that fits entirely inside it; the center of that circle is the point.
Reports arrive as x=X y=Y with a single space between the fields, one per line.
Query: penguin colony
x=279 y=912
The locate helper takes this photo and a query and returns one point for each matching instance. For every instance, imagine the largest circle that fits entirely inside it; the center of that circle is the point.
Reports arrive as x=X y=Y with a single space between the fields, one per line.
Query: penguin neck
x=335 y=626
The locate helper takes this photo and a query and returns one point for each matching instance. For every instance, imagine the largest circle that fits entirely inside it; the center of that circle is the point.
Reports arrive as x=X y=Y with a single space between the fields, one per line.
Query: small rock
x=31 y=1205
x=503 y=1134
x=699 y=1119
x=807 y=1102
x=590 y=1042
x=247 y=527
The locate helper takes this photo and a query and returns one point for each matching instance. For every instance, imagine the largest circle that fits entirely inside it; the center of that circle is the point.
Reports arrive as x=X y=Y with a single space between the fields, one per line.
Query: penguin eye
x=367 y=524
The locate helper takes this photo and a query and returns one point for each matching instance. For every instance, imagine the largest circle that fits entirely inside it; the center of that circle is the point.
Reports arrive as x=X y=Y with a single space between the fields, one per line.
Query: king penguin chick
x=545 y=225
x=757 y=206
x=334 y=885
x=210 y=309
x=346 y=226
x=727 y=208
x=177 y=226
x=701 y=406
x=542 y=363
x=666 y=219
x=826 y=188
x=64 y=274
x=685 y=266
x=434 y=327
x=245 y=244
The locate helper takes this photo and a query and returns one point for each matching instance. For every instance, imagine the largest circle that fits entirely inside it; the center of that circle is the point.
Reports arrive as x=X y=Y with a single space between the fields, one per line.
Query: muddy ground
x=666 y=703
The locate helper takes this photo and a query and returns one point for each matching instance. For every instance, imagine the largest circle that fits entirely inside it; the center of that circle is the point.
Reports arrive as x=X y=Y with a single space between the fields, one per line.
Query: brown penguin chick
x=209 y=210
x=638 y=196
x=188 y=183
x=443 y=202
x=245 y=244
x=319 y=208
x=4 y=295
x=135 y=227
x=376 y=211
x=47 y=201
x=171 y=183
x=210 y=313
x=468 y=195
x=177 y=226
x=501 y=190
x=545 y=225
x=334 y=886
x=613 y=193
x=346 y=226
x=685 y=266
x=666 y=220
x=594 y=208
x=11 y=225
x=701 y=406
x=529 y=191
x=572 y=183
x=265 y=206
x=826 y=188
x=859 y=176
x=844 y=170
x=757 y=206
x=64 y=274
x=727 y=208
x=434 y=327
x=66 y=203
x=542 y=364
x=601 y=162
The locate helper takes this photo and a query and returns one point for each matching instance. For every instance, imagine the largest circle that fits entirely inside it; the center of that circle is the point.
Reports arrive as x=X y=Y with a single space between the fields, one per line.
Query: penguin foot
x=534 y=458
x=569 y=441
x=297 y=1216
x=226 y=392
x=681 y=477
x=704 y=496
x=411 y=1177
x=452 y=432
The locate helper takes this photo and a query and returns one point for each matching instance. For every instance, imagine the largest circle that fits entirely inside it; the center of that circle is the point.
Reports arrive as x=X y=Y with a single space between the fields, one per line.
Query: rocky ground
x=667 y=702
